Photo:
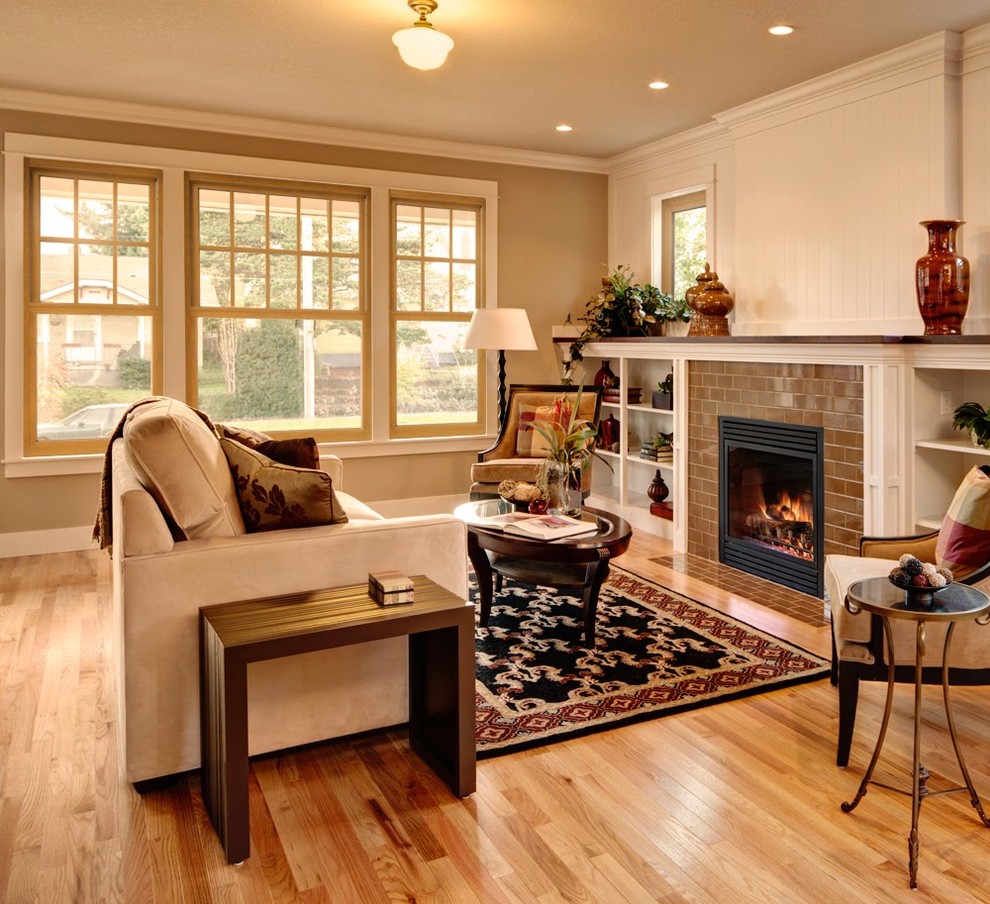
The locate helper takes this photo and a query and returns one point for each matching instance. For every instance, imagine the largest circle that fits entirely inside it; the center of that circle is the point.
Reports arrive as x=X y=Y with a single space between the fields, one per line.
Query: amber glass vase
x=942 y=280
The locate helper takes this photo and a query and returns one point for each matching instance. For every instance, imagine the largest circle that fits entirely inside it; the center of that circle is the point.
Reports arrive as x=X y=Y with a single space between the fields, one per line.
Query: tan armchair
x=858 y=647
x=507 y=458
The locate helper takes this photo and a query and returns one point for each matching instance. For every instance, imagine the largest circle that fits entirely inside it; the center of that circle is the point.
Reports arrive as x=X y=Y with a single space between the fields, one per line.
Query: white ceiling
x=518 y=67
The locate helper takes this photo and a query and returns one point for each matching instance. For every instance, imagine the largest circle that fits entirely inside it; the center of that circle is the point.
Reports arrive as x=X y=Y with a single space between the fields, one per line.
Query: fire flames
x=786 y=524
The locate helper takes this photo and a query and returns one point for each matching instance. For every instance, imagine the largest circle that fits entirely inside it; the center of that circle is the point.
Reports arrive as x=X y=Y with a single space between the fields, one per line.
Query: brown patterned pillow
x=300 y=453
x=274 y=496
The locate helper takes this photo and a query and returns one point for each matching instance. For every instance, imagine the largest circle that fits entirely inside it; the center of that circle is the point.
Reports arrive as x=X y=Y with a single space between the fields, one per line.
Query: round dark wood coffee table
x=573 y=562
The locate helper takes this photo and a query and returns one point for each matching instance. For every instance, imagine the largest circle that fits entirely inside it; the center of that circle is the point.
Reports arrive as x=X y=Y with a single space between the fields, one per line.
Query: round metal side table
x=955 y=603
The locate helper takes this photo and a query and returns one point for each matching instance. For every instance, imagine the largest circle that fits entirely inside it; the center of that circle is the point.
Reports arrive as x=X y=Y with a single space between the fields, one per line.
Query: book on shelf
x=634 y=395
x=550 y=527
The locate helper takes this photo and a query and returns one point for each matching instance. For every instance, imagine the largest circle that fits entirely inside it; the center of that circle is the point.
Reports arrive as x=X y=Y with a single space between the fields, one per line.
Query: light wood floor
x=737 y=802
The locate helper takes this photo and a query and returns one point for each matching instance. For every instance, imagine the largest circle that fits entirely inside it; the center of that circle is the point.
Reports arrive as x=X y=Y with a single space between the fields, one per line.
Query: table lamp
x=502 y=329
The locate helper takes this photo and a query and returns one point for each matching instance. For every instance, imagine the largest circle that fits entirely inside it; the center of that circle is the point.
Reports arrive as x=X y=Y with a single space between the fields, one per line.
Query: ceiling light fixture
x=564 y=127
x=422 y=46
x=781 y=30
x=658 y=86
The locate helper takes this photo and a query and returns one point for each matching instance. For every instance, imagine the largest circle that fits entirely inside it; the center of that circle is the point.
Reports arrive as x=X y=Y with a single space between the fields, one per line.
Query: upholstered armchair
x=516 y=454
x=859 y=650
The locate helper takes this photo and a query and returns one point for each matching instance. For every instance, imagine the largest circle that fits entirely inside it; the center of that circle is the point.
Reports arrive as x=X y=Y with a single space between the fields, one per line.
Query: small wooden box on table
x=440 y=628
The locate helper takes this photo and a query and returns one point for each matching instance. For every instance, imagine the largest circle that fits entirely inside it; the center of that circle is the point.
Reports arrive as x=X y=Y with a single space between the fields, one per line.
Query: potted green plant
x=624 y=308
x=663 y=395
x=972 y=416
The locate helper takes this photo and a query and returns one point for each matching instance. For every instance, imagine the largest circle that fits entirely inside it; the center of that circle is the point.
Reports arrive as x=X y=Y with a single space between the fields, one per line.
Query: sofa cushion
x=964 y=539
x=274 y=496
x=178 y=459
x=301 y=452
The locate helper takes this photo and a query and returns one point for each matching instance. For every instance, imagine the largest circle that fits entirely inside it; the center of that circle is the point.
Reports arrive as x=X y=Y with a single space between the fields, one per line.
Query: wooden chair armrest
x=920 y=545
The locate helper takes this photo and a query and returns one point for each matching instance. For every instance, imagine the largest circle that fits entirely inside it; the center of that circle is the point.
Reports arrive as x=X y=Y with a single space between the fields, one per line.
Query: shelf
x=606 y=454
x=648 y=408
x=636 y=460
x=952 y=445
x=931 y=522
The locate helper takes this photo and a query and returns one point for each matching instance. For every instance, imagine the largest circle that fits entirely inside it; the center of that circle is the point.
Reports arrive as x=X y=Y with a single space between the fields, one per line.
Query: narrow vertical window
x=280 y=326
x=684 y=242
x=436 y=286
x=92 y=307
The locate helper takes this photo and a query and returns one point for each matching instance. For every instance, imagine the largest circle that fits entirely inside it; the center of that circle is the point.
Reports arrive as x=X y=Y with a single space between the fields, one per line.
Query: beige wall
x=551 y=245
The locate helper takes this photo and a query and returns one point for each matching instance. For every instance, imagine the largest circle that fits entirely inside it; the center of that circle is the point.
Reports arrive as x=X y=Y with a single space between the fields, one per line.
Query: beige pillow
x=964 y=539
x=274 y=496
x=178 y=459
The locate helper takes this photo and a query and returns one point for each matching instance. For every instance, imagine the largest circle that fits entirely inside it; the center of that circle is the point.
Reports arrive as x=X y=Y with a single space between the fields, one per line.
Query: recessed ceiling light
x=658 y=86
x=564 y=127
x=781 y=29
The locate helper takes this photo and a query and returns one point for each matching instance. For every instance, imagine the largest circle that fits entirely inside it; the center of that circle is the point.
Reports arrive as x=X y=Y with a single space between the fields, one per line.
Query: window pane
x=408 y=286
x=284 y=283
x=436 y=377
x=249 y=220
x=133 y=213
x=96 y=274
x=408 y=234
x=465 y=234
x=249 y=280
x=437 y=232
x=90 y=368
x=465 y=287
x=314 y=224
x=58 y=274
x=58 y=207
x=437 y=286
x=132 y=275
x=315 y=282
x=282 y=222
x=214 y=217
x=276 y=375
x=346 y=284
x=346 y=227
x=96 y=210
x=214 y=278
x=689 y=248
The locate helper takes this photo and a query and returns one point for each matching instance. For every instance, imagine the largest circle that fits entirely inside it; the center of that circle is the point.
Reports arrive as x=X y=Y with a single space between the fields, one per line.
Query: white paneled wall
x=976 y=166
x=819 y=190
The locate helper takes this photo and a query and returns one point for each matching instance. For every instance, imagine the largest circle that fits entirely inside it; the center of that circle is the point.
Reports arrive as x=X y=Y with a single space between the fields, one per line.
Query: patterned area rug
x=656 y=653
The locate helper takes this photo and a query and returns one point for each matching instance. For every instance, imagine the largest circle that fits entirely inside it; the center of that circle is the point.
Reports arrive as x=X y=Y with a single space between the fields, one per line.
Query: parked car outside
x=90 y=422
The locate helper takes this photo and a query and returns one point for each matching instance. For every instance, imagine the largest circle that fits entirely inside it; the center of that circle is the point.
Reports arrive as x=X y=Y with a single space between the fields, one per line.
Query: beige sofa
x=159 y=584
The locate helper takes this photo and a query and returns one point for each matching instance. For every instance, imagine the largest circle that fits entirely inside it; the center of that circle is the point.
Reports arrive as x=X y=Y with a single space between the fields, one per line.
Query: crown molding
x=705 y=139
x=235 y=124
x=976 y=49
x=939 y=54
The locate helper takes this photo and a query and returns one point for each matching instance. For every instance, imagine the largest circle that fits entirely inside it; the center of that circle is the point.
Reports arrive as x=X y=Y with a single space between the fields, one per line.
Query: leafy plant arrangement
x=972 y=416
x=667 y=383
x=624 y=308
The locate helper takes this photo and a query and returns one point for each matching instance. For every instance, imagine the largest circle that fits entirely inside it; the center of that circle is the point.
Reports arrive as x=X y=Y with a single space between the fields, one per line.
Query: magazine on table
x=550 y=527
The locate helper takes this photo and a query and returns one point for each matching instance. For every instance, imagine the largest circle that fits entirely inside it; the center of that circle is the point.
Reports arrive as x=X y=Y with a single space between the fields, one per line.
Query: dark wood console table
x=440 y=628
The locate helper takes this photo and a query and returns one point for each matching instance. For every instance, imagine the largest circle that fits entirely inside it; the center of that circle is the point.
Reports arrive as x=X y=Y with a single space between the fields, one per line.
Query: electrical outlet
x=945 y=405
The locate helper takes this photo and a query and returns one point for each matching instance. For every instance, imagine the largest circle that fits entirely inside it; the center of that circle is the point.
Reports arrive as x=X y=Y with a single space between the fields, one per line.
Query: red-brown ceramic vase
x=942 y=280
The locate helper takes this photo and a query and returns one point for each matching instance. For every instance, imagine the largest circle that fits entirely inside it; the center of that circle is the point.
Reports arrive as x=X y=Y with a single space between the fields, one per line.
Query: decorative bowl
x=919 y=597
x=521 y=505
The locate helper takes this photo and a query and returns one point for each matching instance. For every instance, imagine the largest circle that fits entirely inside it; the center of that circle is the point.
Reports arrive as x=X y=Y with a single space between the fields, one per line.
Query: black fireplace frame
x=795 y=440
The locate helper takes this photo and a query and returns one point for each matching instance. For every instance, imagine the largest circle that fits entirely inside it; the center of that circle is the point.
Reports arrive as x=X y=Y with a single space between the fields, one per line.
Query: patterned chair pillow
x=964 y=539
x=274 y=496
x=530 y=443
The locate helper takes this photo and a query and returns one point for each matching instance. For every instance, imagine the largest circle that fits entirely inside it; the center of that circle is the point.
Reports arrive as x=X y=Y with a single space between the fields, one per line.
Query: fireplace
x=771 y=501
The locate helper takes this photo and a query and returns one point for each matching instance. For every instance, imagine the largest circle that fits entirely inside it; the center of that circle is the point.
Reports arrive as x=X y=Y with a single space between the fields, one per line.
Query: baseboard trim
x=42 y=542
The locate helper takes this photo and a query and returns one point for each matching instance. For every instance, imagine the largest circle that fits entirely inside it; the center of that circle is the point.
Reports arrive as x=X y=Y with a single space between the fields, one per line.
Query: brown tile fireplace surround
x=816 y=395
x=890 y=458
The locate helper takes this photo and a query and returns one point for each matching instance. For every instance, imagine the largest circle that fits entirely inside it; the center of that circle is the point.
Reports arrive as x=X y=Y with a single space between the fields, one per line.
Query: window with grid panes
x=92 y=323
x=280 y=332
x=436 y=285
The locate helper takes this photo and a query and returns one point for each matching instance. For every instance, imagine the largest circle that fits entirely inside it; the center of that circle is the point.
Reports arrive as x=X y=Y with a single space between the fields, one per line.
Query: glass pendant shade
x=422 y=46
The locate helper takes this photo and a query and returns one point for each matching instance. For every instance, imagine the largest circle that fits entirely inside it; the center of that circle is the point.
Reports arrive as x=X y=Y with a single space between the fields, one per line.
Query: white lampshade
x=422 y=46
x=500 y=328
